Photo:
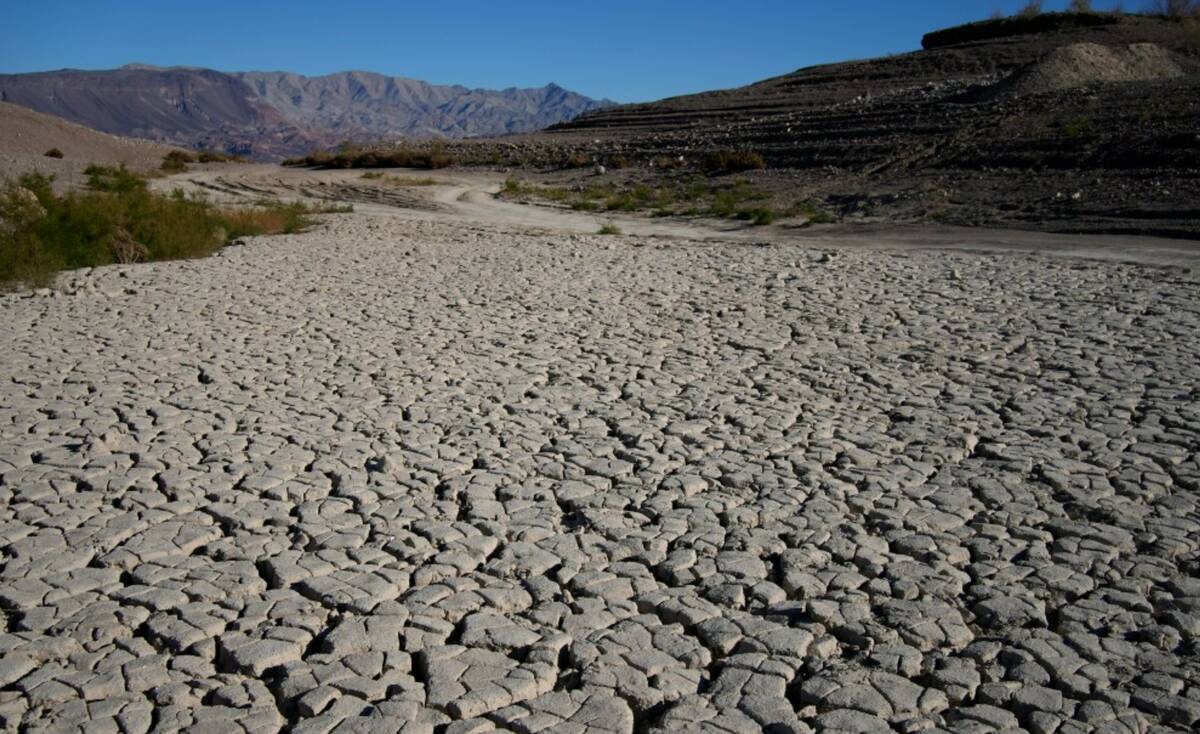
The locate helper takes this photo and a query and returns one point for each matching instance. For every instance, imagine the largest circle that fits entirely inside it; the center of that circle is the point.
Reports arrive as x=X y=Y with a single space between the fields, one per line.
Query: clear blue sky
x=627 y=50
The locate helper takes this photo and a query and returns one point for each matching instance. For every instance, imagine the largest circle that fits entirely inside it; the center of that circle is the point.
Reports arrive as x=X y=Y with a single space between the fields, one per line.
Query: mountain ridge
x=272 y=114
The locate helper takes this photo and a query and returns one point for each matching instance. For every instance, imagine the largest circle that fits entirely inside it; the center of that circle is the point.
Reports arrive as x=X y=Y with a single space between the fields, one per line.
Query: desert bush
x=1030 y=9
x=733 y=161
x=619 y=162
x=609 y=228
x=176 y=161
x=351 y=157
x=269 y=217
x=113 y=179
x=576 y=160
x=118 y=220
x=21 y=200
x=758 y=215
x=1080 y=6
x=727 y=202
x=53 y=153
x=438 y=158
x=316 y=159
x=812 y=213
x=216 y=156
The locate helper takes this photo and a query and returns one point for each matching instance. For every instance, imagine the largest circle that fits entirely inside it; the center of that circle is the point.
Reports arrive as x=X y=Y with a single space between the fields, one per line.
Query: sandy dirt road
x=452 y=465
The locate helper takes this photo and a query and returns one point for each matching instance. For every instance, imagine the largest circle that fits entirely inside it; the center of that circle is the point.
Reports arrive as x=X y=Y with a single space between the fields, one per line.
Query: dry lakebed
x=413 y=471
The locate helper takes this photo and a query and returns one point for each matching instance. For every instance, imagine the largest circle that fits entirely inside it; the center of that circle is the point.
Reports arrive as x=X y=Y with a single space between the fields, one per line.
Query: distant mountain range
x=273 y=114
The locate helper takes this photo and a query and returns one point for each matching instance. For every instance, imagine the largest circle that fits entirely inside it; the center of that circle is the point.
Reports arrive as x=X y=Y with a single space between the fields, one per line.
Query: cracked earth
x=409 y=475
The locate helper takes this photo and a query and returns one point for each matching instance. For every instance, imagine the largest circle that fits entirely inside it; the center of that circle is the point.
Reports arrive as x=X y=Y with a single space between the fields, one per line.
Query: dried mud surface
x=411 y=473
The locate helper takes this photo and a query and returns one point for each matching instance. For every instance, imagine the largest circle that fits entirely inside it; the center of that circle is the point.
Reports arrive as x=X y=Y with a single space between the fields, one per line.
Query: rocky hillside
x=1066 y=122
x=862 y=110
x=391 y=106
x=272 y=114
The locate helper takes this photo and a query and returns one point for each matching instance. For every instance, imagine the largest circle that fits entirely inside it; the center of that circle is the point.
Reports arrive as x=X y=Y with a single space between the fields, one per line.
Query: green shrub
x=733 y=161
x=609 y=228
x=812 y=213
x=758 y=215
x=317 y=159
x=727 y=202
x=114 y=180
x=119 y=220
x=53 y=153
x=621 y=202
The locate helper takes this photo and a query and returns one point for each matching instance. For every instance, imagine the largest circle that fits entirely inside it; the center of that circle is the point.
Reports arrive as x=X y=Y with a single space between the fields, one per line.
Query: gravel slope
x=26 y=135
x=402 y=473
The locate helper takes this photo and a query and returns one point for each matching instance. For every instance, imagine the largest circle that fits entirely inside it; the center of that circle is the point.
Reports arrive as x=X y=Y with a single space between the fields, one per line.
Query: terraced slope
x=828 y=107
x=949 y=132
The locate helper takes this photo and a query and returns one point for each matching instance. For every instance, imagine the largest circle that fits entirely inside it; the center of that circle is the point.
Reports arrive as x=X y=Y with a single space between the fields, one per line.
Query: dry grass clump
x=216 y=156
x=119 y=220
x=733 y=161
x=609 y=228
x=177 y=160
x=351 y=156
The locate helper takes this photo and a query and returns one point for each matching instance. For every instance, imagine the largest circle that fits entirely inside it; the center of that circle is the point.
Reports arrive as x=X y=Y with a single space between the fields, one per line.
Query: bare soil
x=25 y=137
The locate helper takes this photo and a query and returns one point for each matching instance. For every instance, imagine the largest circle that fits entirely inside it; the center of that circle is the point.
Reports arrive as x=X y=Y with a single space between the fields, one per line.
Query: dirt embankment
x=1084 y=64
x=25 y=137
